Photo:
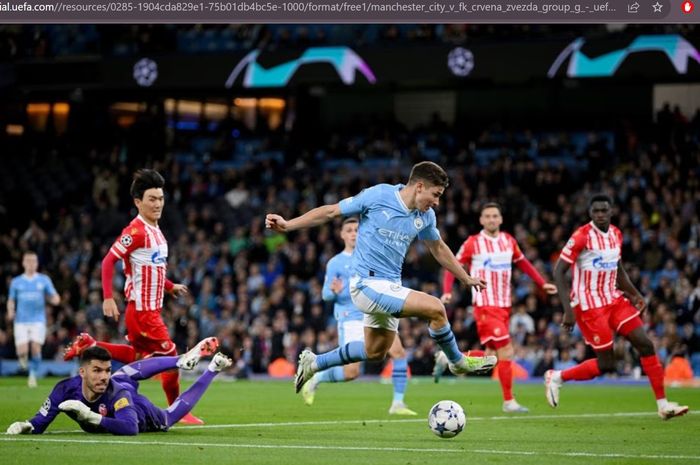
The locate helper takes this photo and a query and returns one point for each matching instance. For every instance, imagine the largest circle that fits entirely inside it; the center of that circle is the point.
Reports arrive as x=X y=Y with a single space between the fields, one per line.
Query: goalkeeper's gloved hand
x=20 y=427
x=82 y=411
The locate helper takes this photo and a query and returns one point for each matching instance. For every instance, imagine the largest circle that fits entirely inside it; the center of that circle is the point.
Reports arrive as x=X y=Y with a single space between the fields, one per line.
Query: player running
x=391 y=217
x=603 y=302
x=144 y=251
x=349 y=318
x=490 y=255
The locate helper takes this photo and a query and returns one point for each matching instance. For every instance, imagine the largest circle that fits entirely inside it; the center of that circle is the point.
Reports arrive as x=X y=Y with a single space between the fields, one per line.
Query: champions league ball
x=145 y=72
x=446 y=419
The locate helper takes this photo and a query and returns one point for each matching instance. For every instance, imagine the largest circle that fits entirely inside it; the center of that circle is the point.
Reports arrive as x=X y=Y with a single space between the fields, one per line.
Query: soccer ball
x=446 y=419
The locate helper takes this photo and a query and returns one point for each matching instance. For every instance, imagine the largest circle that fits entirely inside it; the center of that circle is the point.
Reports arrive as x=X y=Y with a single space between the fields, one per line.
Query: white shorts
x=34 y=332
x=350 y=331
x=380 y=300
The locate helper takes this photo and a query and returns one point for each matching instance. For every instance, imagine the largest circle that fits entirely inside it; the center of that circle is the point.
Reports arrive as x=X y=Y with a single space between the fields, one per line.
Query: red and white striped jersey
x=144 y=251
x=491 y=258
x=595 y=256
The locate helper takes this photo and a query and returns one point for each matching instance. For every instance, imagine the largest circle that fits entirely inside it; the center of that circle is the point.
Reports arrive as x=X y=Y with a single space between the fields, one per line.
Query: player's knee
x=351 y=372
x=397 y=352
x=436 y=310
x=645 y=347
x=376 y=354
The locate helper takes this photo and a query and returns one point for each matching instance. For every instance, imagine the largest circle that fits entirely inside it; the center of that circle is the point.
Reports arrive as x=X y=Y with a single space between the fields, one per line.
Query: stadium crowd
x=260 y=293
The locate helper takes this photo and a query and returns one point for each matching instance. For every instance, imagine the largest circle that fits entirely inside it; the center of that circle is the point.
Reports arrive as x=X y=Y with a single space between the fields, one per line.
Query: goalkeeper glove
x=20 y=427
x=82 y=412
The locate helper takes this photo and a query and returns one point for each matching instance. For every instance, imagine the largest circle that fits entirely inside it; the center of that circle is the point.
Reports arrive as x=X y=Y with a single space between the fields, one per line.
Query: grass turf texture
x=264 y=422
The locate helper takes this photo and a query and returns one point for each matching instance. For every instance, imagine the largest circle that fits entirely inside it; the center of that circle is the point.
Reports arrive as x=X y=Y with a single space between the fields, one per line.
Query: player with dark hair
x=391 y=217
x=490 y=255
x=104 y=403
x=603 y=301
x=144 y=251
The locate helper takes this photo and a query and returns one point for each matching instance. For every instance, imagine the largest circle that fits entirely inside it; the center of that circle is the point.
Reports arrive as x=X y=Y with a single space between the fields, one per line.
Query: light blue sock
x=331 y=375
x=445 y=338
x=349 y=353
x=399 y=376
x=34 y=365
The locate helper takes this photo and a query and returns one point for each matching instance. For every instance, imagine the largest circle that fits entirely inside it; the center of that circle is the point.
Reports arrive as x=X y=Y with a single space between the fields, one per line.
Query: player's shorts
x=380 y=300
x=599 y=325
x=26 y=332
x=147 y=333
x=492 y=324
x=350 y=331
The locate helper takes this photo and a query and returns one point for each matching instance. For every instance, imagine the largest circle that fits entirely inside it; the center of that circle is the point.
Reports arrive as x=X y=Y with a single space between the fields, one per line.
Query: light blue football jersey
x=387 y=229
x=343 y=308
x=30 y=295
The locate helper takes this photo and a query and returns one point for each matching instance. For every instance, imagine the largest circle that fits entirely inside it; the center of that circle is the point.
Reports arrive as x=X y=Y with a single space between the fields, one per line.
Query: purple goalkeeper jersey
x=124 y=411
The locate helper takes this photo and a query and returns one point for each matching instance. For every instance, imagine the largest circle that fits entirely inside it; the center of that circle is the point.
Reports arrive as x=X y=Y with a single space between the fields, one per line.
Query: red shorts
x=147 y=333
x=599 y=325
x=492 y=326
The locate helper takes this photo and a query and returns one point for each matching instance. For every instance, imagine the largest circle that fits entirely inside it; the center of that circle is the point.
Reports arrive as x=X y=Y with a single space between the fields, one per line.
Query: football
x=446 y=419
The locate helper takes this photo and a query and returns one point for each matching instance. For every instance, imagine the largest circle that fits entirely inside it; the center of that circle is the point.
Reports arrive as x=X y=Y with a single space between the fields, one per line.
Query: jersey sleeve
x=465 y=252
x=331 y=272
x=517 y=253
x=12 y=294
x=49 y=409
x=126 y=420
x=430 y=231
x=357 y=204
x=50 y=289
x=573 y=247
x=131 y=238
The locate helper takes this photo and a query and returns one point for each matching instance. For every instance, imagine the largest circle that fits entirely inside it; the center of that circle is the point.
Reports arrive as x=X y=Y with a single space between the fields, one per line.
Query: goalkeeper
x=104 y=403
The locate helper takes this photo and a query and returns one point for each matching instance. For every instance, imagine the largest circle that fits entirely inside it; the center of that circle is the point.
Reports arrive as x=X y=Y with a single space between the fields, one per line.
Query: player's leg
x=634 y=332
x=21 y=332
x=348 y=331
x=123 y=353
x=187 y=400
x=504 y=352
x=595 y=327
x=424 y=306
x=399 y=378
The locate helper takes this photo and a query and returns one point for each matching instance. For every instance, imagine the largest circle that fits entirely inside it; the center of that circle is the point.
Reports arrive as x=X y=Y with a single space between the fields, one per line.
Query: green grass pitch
x=264 y=422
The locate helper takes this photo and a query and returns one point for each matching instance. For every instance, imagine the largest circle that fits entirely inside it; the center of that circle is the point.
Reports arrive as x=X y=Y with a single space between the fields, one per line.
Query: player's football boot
x=671 y=410
x=440 y=366
x=31 y=380
x=190 y=419
x=308 y=392
x=399 y=408
x=305 y=370
x=204 y=348
x=473 y=364
x=81 y=342
x=220 y=362
x=512 y=406
x=551 y=388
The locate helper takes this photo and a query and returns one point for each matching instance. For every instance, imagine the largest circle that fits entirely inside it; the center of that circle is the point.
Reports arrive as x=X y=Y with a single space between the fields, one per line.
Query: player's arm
x=447 y=260
x=51 y=293
x=125 y=421
x=314 y=217
x=561 y=281
x=43 y=418
x=624 y=283
x=11 y=302
x=328 y=293
x=125 y=244
x=464 y=257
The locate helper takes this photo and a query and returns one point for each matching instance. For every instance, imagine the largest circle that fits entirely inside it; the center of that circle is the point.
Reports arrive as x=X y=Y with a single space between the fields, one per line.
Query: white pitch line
x=354 y=448
x=392 y=421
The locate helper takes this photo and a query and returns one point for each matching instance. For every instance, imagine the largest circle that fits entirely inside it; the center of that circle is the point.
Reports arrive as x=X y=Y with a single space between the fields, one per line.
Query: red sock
x=120 y=352
x=505 y=377
x=170 y=380
x=655 y=372
x=583 y=371
x=475 y=353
